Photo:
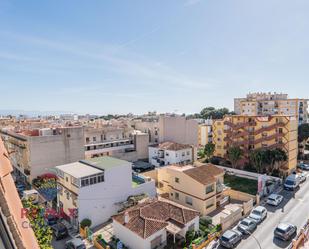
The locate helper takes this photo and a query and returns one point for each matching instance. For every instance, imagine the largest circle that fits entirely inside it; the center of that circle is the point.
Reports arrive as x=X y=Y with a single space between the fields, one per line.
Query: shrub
x=205 y=221
x=85 y=223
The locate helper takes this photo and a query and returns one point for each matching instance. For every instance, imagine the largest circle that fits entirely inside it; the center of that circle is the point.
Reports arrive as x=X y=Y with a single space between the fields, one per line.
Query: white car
x=303 y=177
x=258 y=214
x=274 y=199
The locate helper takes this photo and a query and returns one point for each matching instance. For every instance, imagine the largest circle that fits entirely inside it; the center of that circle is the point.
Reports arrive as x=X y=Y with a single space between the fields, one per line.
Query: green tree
x=303 y=132
x=43 y=233
x=257 y=159
x=213 y=113
x=209 y=150
x=234 y=154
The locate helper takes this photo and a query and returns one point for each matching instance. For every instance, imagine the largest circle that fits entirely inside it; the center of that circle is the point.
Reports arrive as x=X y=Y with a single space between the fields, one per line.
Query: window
x=188 y=153
x=161 y=185
x=74 y=181
x=176 y=196
x=67 y=179
x=68 y=195
x=209 y=189
x=177 y=179
x=183 y=154
x=189 y=200
x=94 y=139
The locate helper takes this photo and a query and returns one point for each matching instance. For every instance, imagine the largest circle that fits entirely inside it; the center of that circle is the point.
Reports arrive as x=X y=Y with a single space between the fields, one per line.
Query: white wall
x=132 y=240
x=97 y=202
x=170 y=156
x=50 y=151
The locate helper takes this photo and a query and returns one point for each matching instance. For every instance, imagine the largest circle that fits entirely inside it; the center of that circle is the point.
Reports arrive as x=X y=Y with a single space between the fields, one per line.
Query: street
x=293 y=209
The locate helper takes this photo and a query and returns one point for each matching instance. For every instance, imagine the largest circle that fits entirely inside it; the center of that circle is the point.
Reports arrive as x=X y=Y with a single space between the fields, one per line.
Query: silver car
x=258 y=214
x=247 y=226
x=285 y=231
x=274 y=199
x=230 y=238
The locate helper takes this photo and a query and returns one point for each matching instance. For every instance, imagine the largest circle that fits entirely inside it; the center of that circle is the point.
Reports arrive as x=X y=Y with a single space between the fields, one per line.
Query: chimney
x=126 y=218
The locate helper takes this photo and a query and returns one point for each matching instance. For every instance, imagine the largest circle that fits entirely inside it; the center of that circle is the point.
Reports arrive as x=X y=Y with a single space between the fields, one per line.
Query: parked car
x=303 y=177
x=247 y=226
x=285 y=231
x=75 y=243
x=303 y=166
x=274 y=199
x=51 y=219
x=292 y=182
x=258 y=214
x=230 y=238
x=60 y=231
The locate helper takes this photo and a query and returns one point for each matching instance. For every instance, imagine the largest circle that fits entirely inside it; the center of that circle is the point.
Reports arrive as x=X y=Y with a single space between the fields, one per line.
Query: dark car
x=285 y=231
x=230 y=238
x=51 y=219
x=59 y=231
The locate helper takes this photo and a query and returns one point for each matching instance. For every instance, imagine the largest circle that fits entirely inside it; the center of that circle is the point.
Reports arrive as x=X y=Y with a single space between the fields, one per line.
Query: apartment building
x=171 y=153
x=149 y=127
x=253 y=132
x=148 y=224
x=35 y=152
x=15 y=230
x=205 y=133
x=256 y=104
x=95 y=188
x=122 y=143
x=199 y=187
x=178 y=129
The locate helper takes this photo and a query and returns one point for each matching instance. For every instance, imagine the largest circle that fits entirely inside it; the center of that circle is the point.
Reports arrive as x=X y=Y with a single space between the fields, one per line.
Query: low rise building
x=35 y=152
x=171 y=153
x=200 y=188
x=147 y=225
x=95 y=188
x=122 y=143
x=254 y=132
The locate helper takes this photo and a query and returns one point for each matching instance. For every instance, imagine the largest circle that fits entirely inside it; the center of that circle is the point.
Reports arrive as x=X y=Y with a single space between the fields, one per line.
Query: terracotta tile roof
x=152 y=216
x=173 y=146
x=204 y=174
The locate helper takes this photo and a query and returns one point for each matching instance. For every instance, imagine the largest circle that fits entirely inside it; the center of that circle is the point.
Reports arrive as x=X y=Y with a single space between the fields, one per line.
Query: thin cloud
x=138 y=67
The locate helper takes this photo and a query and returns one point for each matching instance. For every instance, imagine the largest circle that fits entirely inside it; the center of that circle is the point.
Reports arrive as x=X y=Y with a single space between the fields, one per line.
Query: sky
x=135 y=56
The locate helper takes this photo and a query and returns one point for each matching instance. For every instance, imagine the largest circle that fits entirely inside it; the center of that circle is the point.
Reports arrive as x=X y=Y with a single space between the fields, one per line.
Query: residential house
x=95 y=188
x=149 y=224
x=200 y=188
x=171 y=153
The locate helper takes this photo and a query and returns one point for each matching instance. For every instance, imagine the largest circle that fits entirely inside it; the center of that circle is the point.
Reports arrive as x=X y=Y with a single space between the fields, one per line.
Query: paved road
x=294 y=209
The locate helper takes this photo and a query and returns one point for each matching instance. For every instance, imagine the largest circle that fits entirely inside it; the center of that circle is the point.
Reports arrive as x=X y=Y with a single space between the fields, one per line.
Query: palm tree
x=234 y=154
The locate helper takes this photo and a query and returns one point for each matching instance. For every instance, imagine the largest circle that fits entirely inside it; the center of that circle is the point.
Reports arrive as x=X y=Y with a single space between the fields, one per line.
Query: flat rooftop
x=106 y=162
x=78 y=169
